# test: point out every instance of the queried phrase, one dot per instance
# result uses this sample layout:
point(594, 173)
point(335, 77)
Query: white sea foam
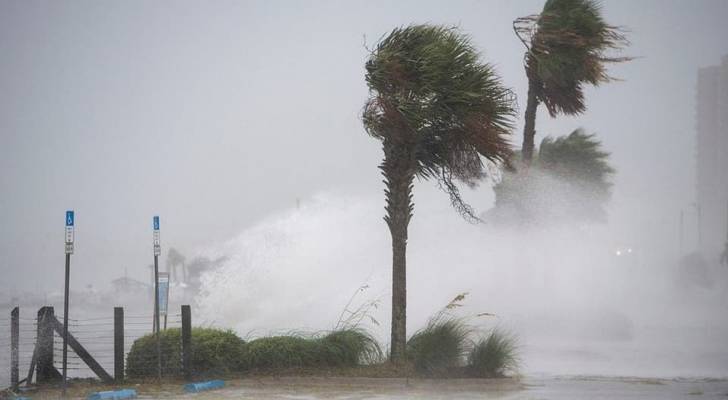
point(578, 307)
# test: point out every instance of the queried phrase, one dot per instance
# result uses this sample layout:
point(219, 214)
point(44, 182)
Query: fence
point(16, 330)
point(97, 347)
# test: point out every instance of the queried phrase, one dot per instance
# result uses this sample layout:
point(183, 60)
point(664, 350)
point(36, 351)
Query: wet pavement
point(346, 388)
point(565, 388)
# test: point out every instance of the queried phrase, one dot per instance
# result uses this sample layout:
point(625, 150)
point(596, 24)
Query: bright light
point(629, 250)
point(619, 252)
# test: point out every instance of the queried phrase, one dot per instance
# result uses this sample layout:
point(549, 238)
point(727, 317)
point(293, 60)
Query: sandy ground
point(314, 388)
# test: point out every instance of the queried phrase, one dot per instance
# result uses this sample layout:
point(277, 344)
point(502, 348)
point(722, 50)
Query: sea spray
point(578, 306)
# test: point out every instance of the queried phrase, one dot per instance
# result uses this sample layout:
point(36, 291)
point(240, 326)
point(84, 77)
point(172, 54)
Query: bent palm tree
point(438, 112)
point(566, 49)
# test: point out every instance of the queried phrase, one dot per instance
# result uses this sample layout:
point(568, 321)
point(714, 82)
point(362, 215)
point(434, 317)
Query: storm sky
point(216, 114)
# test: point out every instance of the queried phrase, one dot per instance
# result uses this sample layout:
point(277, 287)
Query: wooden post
point(14, 347)
point(187, 342)
point(119, 344)
point(45, 371)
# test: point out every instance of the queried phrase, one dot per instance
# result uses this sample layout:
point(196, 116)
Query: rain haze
point(240, 125)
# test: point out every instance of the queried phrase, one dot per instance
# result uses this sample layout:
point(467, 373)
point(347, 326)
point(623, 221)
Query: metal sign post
point(70, 224)
point(157, 252)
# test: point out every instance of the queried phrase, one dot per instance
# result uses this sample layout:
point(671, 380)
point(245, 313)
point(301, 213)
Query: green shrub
point(280, 352)
point(142, 358)
point(342, 348)
point(493, 356)
point(439, 347)
point(214, 351)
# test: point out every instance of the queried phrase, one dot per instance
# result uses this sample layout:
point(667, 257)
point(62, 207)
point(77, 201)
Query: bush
point(142, 358)
point(214, 351)
point(493, 356)
point(439, 347)
point(342, 348)
point(281, 352)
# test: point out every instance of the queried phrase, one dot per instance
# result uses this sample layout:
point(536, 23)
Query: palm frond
point(568, 46)
point(431, 94)
point(578, 156)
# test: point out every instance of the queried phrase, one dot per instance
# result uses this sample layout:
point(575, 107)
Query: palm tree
point(440, 114)
point(574, 169)
point(175, 258)
point(577, 157)
point(566, 49)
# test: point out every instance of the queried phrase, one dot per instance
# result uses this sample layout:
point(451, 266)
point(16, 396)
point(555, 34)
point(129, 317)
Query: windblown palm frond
point(577, 156)
point(570, 179)
point(567, 48)
point(437, 105)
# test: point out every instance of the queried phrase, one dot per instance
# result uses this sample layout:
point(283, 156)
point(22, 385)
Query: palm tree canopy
point(430, 91)
point(578, 156)
point(174, 257)
point(567, 48)
point(569, 179)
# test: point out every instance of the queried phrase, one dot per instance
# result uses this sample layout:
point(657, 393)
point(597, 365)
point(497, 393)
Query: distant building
point(712, 156)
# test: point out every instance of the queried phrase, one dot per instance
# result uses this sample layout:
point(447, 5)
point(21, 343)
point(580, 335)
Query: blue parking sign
point(69, 218)
point(156, 222)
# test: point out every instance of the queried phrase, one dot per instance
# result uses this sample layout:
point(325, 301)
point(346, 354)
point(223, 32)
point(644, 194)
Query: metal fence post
point(14, 347)
point(187, 342)
point(119, 344)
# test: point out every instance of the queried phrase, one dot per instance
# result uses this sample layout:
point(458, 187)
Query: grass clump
point(440, 347)
point(352, 347)
point(214, 351)
point(341, 348)
point(493, 356)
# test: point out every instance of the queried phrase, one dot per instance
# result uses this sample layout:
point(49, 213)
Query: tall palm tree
point(566, 49)
point(440, 114)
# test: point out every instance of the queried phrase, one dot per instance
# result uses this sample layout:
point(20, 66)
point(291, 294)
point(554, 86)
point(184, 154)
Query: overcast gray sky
point(215, 114)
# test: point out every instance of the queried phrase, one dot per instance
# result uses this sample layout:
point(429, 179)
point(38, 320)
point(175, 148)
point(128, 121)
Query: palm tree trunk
point(398, 171)
point(529, 128)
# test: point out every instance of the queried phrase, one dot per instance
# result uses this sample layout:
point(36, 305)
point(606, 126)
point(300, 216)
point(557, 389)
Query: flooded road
point(348, 388)
point(567, 388)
